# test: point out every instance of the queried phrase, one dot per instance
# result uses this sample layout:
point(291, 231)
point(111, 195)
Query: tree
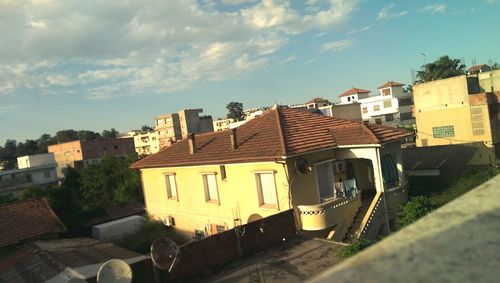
point(110, 134)
point(8, 155)
point(147, 128)
point(110, 182)
point(85, 135)
point(65, 136)
point(29, 147)
point(495, 66)
point(444, 67)
point(235, 111)
point(43, 142)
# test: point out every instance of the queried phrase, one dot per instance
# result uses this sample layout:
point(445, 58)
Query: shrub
point(140, 240)
point(354, 248)
point(416, 208)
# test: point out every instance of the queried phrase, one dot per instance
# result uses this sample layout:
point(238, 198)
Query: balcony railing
point(331, 211)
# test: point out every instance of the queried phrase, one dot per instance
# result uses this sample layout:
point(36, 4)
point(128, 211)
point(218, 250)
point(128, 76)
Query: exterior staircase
point(358, 219)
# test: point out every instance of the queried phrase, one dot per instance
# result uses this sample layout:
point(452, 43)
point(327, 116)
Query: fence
point(216, 251)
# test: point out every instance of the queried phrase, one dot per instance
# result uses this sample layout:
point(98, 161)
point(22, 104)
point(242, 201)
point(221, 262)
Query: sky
point(100, 64)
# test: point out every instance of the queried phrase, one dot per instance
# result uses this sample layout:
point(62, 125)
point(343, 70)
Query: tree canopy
point(444, 67)
point(235, 111)
point(147, 128)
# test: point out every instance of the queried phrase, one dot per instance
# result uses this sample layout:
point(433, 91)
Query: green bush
point(140, 240)
point(416, 208)
point(354, 248)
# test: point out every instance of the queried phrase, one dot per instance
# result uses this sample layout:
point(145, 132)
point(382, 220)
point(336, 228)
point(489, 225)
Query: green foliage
point(110, 134)
point(495, 66)
point(147, 128)
point(109, 182)
point(235, 111)
point(354, 248)
point(444, 67)
point(7, 198)
point(140, 241)
point(416, 208)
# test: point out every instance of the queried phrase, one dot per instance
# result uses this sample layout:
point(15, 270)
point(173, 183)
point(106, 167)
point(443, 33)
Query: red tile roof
point(277, 133)
point(27, 219)
point(390, 84)
point(354, 91)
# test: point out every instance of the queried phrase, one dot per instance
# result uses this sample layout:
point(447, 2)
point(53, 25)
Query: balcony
point(331, 211)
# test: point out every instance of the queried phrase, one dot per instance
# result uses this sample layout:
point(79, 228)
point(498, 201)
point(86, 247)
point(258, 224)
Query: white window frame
point(260, 195)
point(171, 194)
point(206, 187)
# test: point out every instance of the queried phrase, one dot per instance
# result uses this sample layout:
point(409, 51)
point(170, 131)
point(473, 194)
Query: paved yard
point(296, 261)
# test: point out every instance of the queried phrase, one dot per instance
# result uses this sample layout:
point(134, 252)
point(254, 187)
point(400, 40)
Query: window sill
point(213, 202)
point(269, 206)
point(176, 199)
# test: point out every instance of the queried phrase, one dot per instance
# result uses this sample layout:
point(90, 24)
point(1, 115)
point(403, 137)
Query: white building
point(146, 143)
point(392, 106)
point(222, 124)
point(37, 169)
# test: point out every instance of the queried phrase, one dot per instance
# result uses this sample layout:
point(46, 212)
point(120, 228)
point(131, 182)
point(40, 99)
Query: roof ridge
point(280, 130)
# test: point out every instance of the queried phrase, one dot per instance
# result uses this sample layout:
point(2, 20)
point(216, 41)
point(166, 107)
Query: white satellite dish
point(114, 270)
point(165, 253)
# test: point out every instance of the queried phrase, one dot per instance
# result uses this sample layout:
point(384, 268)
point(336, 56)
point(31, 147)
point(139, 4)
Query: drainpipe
point(383, 190)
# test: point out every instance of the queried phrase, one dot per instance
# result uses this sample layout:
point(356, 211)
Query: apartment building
point(222, 124)
point(456, 110)
point(146, 143)
point(176, 126)
point(392, 106)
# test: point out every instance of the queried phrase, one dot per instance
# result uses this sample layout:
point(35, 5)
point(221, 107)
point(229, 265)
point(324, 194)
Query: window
point(364, 110)
point(378, 121)
point(348, 98)
point(388, 104)
point(389, 117)
point(376, 108)
point(171, 186)
point(266, 189)
point(406, 116)
point(386, 91)
point(46, 174)
point(389, 170)
point(477, 120)
point(325, 180)
point(443, 131)
point(210, 186)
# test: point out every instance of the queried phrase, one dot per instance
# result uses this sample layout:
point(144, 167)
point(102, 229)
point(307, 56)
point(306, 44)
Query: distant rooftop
point(354, 90)
point(390, 84)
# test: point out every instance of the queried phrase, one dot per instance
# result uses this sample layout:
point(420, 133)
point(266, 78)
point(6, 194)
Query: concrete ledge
point(459, 242)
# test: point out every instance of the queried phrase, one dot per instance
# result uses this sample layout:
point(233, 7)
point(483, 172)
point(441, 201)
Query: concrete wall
point(489, 81)
point(347, 111)
point(238, 196)
point(67, 153)
point(109, 147)
point(35, 160)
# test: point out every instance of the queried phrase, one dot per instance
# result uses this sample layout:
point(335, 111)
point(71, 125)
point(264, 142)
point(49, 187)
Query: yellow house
point(324, 168)
point(453, 111)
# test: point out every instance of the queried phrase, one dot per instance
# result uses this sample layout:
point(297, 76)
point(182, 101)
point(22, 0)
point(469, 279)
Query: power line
point(431, 135)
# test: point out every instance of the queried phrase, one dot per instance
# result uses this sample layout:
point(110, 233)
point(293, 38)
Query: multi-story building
point(455, 110)
point(146, 143)
point(392, 106)
point(175, 126)
point(78, 153)
point(222, 124)
point(37, 169)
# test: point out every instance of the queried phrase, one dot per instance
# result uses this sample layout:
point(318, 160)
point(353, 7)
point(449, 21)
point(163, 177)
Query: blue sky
point(68, 64)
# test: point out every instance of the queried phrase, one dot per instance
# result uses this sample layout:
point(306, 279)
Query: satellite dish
point(114, 270)
point(302, 166)
point(165, 253)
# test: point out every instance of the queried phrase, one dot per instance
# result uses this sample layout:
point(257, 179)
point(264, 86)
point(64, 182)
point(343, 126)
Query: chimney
point(234, 139)
point(192, 143)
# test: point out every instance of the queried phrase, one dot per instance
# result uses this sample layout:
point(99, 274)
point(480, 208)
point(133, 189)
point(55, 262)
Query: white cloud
point(365, 28)
point(435, 8)
point(337, 46)
point(7, 108)
point(288, 59)
point(386, 14)
point(105, 49)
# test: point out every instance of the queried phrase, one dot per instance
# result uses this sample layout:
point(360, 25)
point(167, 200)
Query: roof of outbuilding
point(477, 68)
point(277, 133)
point(27, 219)
point(439, 156)
point(390, 84)
point(354, 90)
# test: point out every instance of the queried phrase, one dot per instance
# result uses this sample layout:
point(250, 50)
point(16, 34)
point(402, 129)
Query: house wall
point(447, 103)
point(67, 153)
point(14, 181)
point(110, 147)
point(347, 111)
point(35, 160)
point(238, 196)
point(489, 81)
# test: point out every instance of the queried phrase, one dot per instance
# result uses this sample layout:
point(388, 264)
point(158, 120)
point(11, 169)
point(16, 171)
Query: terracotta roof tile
point(26, 219)
point(354, 90)
point(390, 84)
point(277, 133)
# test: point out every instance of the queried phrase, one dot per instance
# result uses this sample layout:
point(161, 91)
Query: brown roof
point(354, 90)
point(277, 133)
point(27, 219)
point(476, 68)
point(316, 100)
point(390, 84)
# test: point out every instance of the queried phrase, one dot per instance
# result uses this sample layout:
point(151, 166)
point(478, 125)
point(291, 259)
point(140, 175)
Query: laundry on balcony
point(346, 189)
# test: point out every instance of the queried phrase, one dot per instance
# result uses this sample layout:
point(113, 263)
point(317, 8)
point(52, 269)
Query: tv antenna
point(165, 253)
point(114, 271)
